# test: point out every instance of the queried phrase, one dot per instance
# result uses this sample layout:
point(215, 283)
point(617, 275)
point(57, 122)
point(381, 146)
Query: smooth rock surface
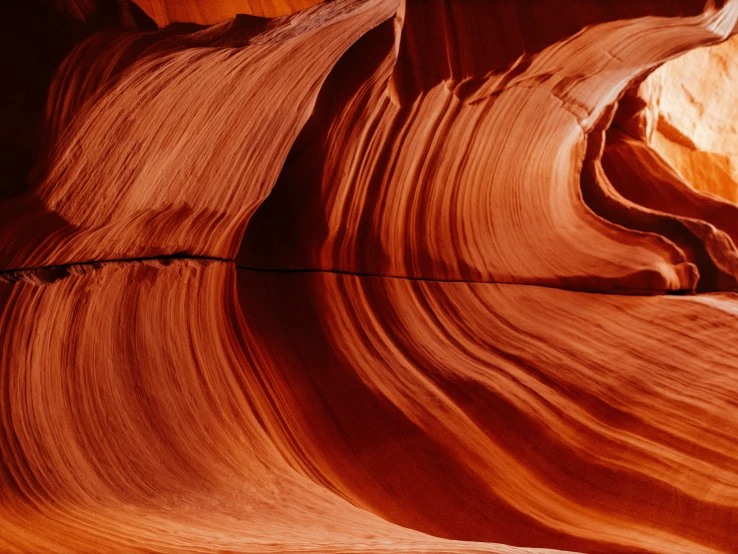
point(370, 276)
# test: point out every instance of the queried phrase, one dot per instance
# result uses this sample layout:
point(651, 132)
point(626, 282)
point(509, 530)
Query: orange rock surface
point(369, 276)
point(208, 12)
point(691, 117)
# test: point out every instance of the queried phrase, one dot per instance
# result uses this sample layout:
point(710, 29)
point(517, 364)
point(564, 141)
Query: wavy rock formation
point(376, 276)
point(445, 180)
point(145, 429)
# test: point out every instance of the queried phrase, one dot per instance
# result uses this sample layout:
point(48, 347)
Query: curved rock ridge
point(449, 183)
point(432, 405)
point(499, 413)
point(144, 126)
point(114, 440)
point(377, 276)
point(643, 177)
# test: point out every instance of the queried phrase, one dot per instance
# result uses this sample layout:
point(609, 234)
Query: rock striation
point(371, 276)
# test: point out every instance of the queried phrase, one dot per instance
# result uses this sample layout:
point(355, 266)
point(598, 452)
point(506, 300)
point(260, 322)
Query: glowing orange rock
point(691, 105)
point(384, 358)
point(207, 12)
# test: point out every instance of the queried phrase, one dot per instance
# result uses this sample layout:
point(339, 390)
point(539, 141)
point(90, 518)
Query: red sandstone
point(370, 276)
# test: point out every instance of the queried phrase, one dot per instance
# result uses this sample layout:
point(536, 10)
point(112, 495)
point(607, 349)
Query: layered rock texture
point(369, 276)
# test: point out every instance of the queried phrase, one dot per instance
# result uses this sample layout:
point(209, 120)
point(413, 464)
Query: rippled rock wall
point(369, 276)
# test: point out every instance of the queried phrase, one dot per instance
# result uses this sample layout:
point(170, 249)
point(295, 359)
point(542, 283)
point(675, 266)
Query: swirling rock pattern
point(373, 276)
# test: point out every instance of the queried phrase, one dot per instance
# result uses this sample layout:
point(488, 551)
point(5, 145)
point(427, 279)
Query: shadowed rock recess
point(369, 276)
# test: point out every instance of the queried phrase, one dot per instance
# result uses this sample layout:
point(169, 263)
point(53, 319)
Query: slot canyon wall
point(369, 276)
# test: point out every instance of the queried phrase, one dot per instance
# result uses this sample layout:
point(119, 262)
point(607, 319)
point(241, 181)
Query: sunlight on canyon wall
point(693, 104)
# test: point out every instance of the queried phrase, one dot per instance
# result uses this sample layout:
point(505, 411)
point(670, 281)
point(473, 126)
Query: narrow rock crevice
point(627, 292)
point(49, 274)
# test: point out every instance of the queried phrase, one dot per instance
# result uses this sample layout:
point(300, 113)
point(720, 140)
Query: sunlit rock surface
point(693, 104)
point(208, 12)
point(369, 276)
